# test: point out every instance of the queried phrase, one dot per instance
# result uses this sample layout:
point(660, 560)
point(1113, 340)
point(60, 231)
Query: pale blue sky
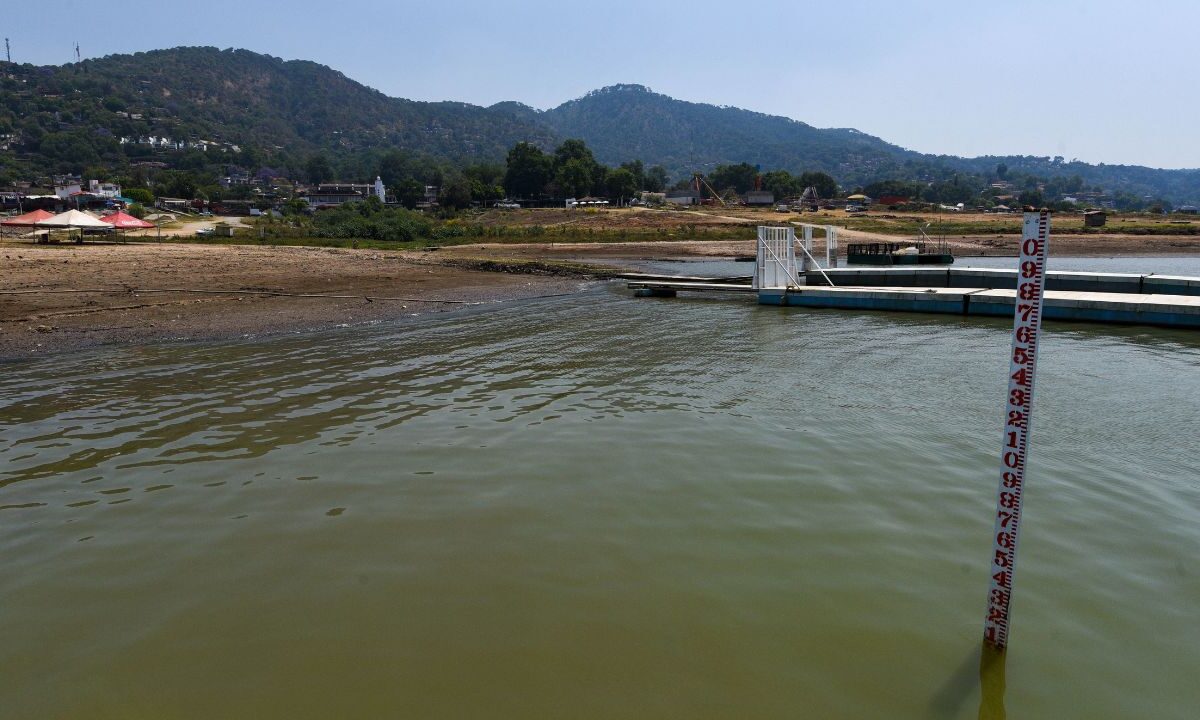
point(1102, 81)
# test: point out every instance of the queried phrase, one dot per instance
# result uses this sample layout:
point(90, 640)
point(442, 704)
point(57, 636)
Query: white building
point(108, 190)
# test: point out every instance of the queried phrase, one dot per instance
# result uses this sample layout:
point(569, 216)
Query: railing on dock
point(775, 258)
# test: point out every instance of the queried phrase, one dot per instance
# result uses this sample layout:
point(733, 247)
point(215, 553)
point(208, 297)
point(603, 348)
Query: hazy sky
point(1102, 81)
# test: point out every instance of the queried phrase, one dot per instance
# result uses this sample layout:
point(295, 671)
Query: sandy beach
point(43, 310)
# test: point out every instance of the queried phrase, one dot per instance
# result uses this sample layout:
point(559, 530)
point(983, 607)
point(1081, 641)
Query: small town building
point(331, 198)
point(1094, 218)
point(760, 198)
point(683, 197)
point(103, 189)
point(327, 195)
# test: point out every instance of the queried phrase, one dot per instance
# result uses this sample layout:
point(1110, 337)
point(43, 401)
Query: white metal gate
point(775, 260)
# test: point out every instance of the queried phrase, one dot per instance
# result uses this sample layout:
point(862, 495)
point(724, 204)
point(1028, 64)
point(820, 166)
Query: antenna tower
point(7, 50)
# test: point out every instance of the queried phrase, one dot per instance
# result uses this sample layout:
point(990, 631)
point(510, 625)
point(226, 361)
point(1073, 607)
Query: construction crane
point(810, 196)
point(698, 179)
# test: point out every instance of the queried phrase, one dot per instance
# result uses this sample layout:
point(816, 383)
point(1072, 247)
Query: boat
point(899, 253)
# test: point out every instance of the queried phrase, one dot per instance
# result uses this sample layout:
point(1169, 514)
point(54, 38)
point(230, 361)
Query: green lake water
point(597, 507)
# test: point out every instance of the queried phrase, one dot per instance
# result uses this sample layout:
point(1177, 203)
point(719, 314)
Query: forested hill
point(255, 110)
point(625, 121)
point(630, 121)
point(77, 113)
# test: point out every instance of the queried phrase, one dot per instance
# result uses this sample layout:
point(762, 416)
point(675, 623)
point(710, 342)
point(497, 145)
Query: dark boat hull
point(901, 259)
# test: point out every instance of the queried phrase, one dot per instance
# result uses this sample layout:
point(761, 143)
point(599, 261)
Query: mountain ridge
point(101, 111)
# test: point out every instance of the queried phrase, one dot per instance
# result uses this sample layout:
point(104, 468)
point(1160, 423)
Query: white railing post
point(775, 258)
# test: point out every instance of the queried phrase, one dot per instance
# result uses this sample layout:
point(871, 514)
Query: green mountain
point(630, 121)
point(77, 114)
point(196, 107)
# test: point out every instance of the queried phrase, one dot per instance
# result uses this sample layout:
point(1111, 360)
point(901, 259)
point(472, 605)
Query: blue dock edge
point(1120, 308)
point(998, 278)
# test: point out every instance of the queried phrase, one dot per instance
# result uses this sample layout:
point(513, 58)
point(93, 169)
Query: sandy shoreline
point(54, 318)
point(43, 312)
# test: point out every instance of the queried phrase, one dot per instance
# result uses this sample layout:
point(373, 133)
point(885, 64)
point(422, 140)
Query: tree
point(175, 184)
point(455, 193)
point(409, 192)
point(898, 188)
point(141, 196)
point(573, 149)
point(528, 170)
point(1002, 171)
point(639, 172)
point(575, 177)
point(1031, 197)
point(295, 206)
point(826, 186)
point(318, 169)
point(576, 152)
point(656, 179)
point(621, 183)
point(782, 183)
point(393, 168)
point(740, 177)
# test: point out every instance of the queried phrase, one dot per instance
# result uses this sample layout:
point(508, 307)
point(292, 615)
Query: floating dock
point(784, 277)
point(999, 279)
point(1182, 311)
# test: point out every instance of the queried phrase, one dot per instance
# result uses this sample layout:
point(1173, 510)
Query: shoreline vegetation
point(282, 275)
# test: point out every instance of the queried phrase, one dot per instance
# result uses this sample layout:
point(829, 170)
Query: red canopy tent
point(125, 221)
point(29, 219)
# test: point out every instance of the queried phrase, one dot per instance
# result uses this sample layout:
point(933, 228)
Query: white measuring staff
point(1018, 412)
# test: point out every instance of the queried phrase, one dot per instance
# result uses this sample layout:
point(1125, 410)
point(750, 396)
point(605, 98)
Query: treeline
point(572, 171)
point(744, 177)
point(1015, 188)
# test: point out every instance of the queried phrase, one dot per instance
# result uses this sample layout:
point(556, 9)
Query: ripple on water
point(757, 507)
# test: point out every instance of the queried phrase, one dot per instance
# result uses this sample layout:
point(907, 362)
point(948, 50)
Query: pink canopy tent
point(29, 219)
point(125, 221)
